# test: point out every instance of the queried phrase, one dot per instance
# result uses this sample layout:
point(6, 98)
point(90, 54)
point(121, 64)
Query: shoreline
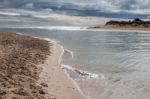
point(68, 76)
point(119, 29)
point(45, 78)
point(70, 89)
point(71, 80)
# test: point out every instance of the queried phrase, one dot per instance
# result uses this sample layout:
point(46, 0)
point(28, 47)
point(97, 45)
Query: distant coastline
point(134, 25)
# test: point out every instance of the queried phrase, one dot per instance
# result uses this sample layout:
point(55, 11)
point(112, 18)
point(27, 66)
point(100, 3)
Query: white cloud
point(9, 13)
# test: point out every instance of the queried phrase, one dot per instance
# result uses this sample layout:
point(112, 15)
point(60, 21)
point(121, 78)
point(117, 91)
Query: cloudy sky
point(113, 5)
point(108, 5)
point(104, 8)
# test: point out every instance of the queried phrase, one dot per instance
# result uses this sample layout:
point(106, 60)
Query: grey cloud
point(102, 5)
point(111, 5)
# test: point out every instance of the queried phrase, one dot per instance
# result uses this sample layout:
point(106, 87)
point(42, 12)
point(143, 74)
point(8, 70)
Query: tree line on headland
point(134, 23)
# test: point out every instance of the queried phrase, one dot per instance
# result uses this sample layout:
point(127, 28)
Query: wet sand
point(30, 69)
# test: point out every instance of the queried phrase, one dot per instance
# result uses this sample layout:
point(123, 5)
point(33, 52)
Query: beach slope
point(29, 69)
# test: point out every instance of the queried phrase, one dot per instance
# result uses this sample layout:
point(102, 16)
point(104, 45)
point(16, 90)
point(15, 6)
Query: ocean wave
point(80, 72)
point(61, 28)
point(69, 28)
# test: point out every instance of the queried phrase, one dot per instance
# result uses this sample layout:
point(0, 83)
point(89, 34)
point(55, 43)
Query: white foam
point(67, 67)
point(72, 28)
point(47, 39)
point(20, 33)
point(68, 28)
point(71, 68)
point(70, 52)
point(91, 75)
point(80, 72)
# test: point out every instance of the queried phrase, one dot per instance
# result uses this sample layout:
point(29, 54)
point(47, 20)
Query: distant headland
point(137, 25)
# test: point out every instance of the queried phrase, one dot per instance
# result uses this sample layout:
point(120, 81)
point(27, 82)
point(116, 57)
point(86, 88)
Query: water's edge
point(59, 62)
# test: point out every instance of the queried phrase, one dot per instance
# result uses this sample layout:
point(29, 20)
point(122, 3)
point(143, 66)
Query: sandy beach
point(123, 29)
point(120, 30)
point(30, 69)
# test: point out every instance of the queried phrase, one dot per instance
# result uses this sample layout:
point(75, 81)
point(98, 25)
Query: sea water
point(105, 64)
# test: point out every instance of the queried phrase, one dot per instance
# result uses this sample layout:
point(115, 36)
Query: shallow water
point(119, 62)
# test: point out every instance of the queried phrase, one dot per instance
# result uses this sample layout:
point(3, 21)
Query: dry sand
point(30, 69)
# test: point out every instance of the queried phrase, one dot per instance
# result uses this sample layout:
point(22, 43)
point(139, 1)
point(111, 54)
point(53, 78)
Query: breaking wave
point(71, 28)
point(68, 28)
